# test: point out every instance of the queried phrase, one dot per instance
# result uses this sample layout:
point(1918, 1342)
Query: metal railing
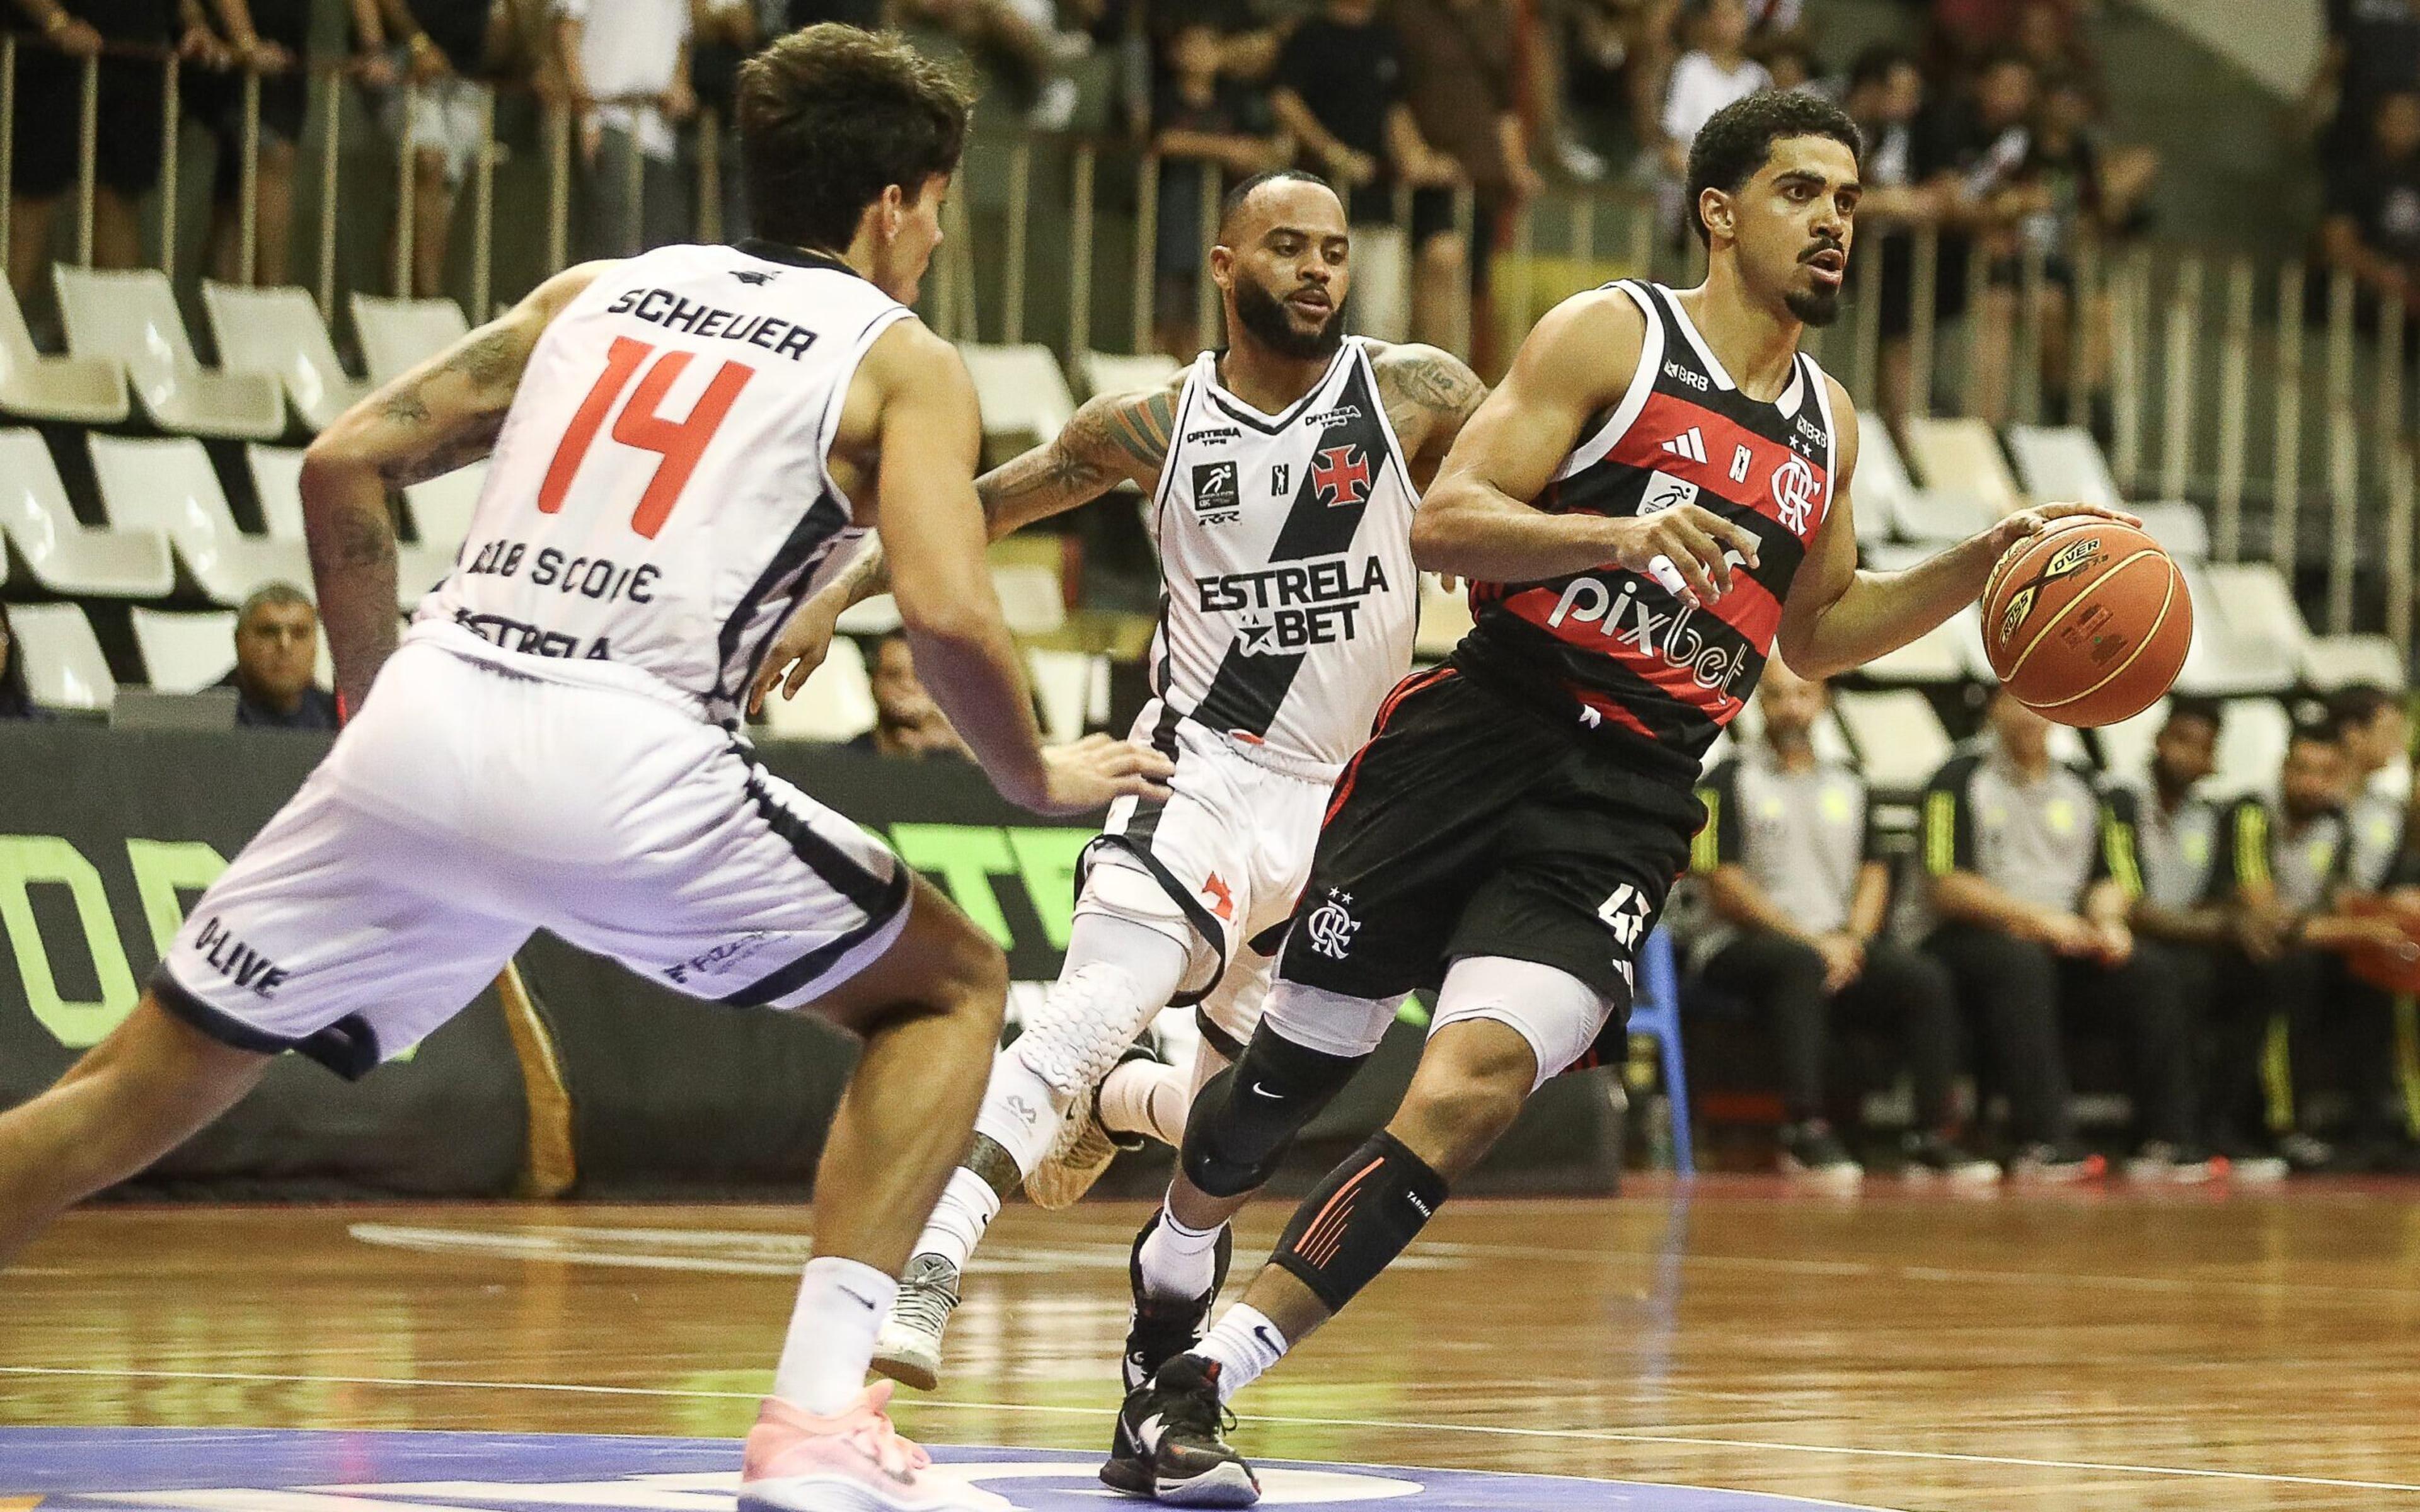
point(2295, 435)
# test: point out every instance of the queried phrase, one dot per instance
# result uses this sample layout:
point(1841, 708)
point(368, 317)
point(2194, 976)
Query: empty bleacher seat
point(131, 316)
point(2064, 462)
point(2181, 529)
point(441, 507)
point(168, 486)
point(276, 480)
point(1445, 617)
point(1024, 396)
point(836, 703)
point(1941, 655)
point(184, 653)
point(2126, 745)
point(1898, 738)
point(2248, 634)
point(1963, 457)
point(878, 615)
point(1117, 373)
point(1073, 689)
point(278, 331)
point(87, 391)
point(64, 555)
point(2331, 661)
point(1030, 597)
point(400, 334)
point(2250, 744)
point(64, 667)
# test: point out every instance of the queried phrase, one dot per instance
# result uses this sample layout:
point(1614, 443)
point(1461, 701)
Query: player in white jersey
point(1284, 473)
point(684, 445)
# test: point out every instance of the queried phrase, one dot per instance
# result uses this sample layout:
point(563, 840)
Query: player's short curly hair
point(829, 117)
point(1731, 146)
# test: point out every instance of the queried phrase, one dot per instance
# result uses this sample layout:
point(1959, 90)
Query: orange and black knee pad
point(1367, 1212)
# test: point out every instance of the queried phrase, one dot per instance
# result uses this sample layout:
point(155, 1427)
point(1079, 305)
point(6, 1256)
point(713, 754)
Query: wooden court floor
point(2221, 1352)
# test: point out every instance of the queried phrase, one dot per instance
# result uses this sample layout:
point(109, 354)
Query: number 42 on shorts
point(1625, 914)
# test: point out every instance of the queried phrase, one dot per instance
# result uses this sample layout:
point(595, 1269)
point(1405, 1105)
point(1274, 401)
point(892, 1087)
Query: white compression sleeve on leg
point(840, 1306)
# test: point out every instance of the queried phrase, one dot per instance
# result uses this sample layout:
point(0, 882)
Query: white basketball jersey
point(659, 502)
point(1285, 541)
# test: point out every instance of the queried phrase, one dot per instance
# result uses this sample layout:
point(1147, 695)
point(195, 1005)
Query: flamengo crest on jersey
point(1285, 541)
point(658, 500)
point(1617, 650)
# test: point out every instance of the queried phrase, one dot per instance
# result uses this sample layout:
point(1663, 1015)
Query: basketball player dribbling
point(685, 446)
point(1282, 473)
point(1657, 497)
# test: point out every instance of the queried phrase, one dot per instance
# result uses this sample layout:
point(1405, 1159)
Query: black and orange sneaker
point(1170, 1443)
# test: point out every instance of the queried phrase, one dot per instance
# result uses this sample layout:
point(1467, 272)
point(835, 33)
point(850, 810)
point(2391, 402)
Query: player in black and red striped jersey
point(1656, 498)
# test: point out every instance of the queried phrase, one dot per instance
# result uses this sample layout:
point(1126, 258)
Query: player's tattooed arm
point(444, 413)
point(1113, 439)
point(1428, 394)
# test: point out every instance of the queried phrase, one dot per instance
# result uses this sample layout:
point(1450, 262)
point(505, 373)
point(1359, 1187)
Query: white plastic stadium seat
point(878, 615)
point(277, 479)
point(2181, 529)
point(2248, 634)
point(2331, 661)
point(1444, 617)
point(64, 667)
point(1939, 655)
point(131, 316)
point(400, 334)
point(2064, 462)
point(1030, 596)
point(2251, 745)
point(1963, 457)
point(87, 391)
point(1896, 735)
point(1024, 396)
point(2126, 745)
point(184, 653)
point(1117, 373)
point(168, 486)
point(836, 703)
point(1073, 688)
point(65, 555)
point(278, 331)
point(441, 507)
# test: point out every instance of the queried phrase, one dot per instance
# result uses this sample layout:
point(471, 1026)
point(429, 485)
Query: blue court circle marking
point(209, 1470)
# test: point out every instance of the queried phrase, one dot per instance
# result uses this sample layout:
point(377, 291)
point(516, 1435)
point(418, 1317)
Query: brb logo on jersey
point(1341, 475)
point(1218, 496)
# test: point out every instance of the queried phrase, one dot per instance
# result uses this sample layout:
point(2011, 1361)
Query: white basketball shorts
point(1228, 848)
point(471, 804)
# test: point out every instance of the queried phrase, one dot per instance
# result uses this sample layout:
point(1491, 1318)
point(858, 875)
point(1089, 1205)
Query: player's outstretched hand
point(1686, 548)
point(798, 650)
point(1088, 773)
point(2031, 522)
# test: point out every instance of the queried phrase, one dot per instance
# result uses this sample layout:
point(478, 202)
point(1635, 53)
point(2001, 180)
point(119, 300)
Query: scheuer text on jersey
point(664, 308)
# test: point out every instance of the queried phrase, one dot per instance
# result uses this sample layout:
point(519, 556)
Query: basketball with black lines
point(2087, 622)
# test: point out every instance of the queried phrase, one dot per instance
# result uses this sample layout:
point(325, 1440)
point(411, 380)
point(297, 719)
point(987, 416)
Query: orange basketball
point(2087, 622)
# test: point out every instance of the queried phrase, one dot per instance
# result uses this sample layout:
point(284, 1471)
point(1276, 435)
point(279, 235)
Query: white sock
point(1245, 1343)
point(967, 1208)
point(1143, 1097)
point(1178, 1262)
point(840, 1306)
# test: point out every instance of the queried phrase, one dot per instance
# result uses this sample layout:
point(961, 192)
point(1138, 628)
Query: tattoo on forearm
point(1103, 445)
point(496, 358)
point(443, 457)
point(1427, 394)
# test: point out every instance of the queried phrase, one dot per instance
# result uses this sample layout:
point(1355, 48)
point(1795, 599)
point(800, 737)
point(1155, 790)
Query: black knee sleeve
point(1367, 1211)
point(1247, 1115)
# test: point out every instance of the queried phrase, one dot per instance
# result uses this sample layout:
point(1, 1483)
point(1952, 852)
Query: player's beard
point(1263, 315)
point(1817, 305)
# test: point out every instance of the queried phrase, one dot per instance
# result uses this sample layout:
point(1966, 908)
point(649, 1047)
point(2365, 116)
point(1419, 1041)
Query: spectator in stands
point(1459, 74)
point(1975, 153)
point(1885, 97)
point(907, 722)
point(722, 35)
point(16, 697)
point(1340, 93)
point(2377, 734)
point(50, 105)
point(2373, 51)
point(447, 43)
point(1714, 72)
point(2032, 881)
point(2291, 861)
point(270, 38)
point(1788, 856)
point(276, 645)
point(1792, 66)
point(1202, 123)
point(2371, 230)
point(628, 77)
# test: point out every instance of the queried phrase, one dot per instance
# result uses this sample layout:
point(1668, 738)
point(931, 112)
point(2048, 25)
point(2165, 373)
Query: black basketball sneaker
point(1159, 1331)
point(1170, 1443)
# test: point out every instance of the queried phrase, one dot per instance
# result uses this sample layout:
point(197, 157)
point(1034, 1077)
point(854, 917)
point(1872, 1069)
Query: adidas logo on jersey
point(1689, 444)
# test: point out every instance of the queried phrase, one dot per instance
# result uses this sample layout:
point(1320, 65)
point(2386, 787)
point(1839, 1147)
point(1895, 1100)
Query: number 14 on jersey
point(641, 425)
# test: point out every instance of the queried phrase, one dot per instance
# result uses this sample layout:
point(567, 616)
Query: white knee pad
point(1557, 1013)
point(1119, 973)
point(1329, 1023)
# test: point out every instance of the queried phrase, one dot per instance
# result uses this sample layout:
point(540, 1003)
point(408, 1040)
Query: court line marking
point(1490, 1431)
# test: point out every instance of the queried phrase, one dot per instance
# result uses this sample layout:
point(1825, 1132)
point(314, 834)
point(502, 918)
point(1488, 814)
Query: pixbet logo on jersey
point(1286, 609)
point(1589, 601)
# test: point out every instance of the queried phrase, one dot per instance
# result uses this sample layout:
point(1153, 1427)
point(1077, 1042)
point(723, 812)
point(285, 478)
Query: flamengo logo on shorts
point(1331, 926)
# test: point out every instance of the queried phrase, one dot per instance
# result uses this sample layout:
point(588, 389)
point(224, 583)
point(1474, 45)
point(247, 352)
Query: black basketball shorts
point(1473, 826)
